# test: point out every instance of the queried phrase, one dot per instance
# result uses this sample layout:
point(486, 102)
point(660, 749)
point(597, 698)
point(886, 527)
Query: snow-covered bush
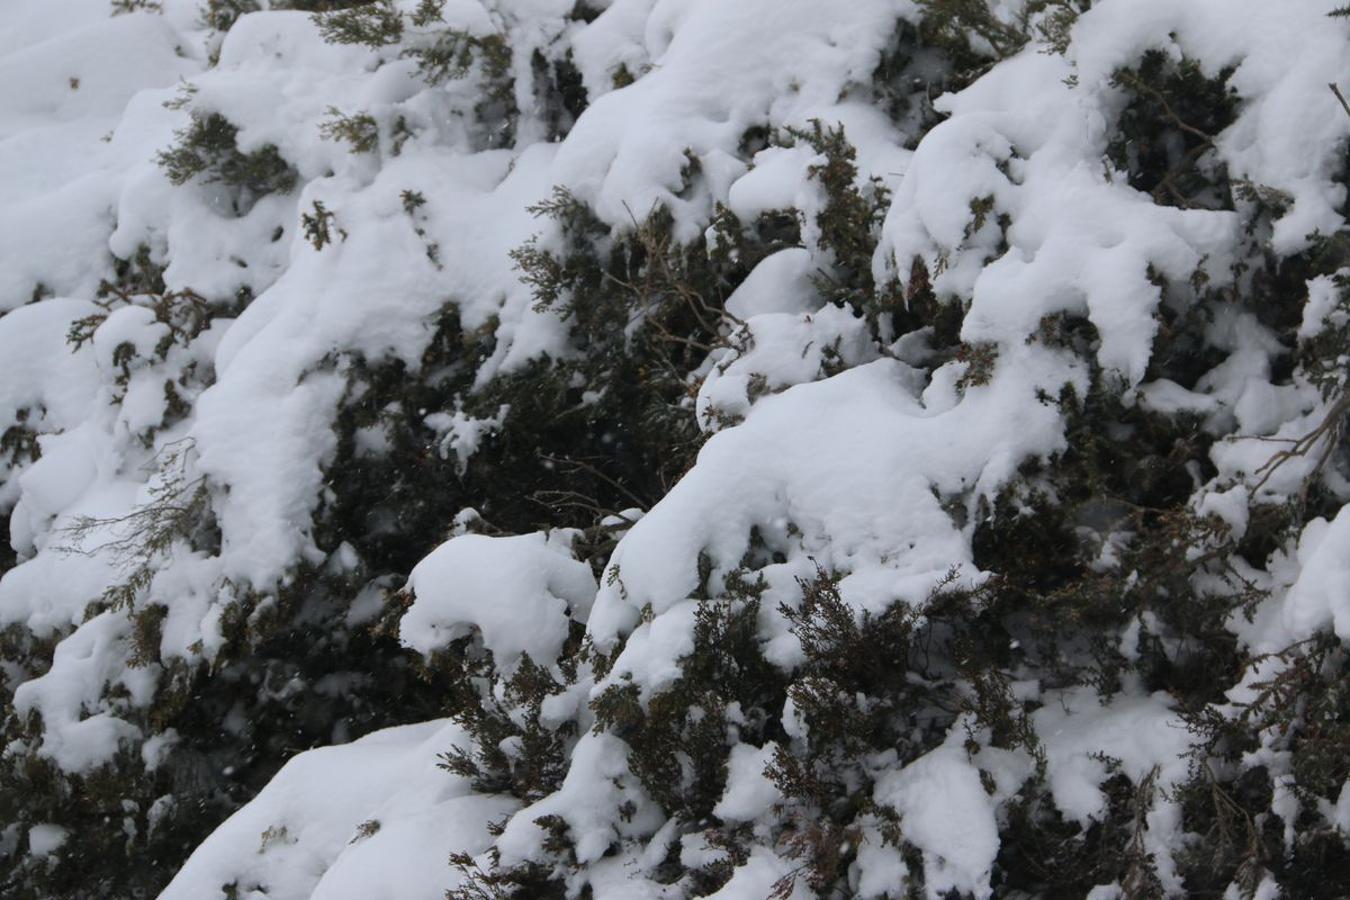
point(674, 448)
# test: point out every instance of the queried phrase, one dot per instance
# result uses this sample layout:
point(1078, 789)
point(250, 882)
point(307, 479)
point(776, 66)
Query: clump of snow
point(518, 592)
point(63, 179)
point(857, 464)
point(376, 818)
point(946, 813)
point(774, 351)
point(600, 800)
point(789, 64)
point(1322, 307)
point(45, 839)
point(1321, 595)
point(43, 386)
point(781, 283)
point(80, 730)
point(1077, 728)
point(1284, 57)
point(749, 794)
point(463, 433)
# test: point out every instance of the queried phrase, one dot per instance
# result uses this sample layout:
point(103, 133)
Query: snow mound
point(387, 832)
point(519, 593)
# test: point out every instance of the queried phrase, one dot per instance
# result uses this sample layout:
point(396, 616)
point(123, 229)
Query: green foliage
point(318, 226)
point(536, 761)
point(851, 218)
point(18, 443)
point(360, 131)
point(220, 15)
point(560, 92)
point(277, 667)
point(413, 202)
point(1301, 709)
point(1163, 137)
point(973, 35)
point(1042, 854)
point(184, 313)
point(869, 680)
point(137, 274)
point(645, 311)
point(452, 54)
point(122, 7)
point(147, 632)
point(980, 360)
point(375, 24)
point(178, 511)
point(442, 53)
point(955, 21)
point(621, 77)
point(93, 860)
point(679, 738)
point(528, 880)
point(847, 656)
point(1054, 20)
point(207, 149)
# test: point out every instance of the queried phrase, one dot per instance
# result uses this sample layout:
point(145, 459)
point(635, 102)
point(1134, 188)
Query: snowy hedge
point(674, 448)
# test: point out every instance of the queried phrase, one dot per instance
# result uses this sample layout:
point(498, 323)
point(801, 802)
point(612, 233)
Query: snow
point(947, 814)
point(773, 359)
point(464, 433)
point(45, 839)
point(1079, 241)
point(1285, 56)
point(831, 444)
point(625, 154)
point(58, 200)
point(375, 819)
point(1321, 595)
point(865, 435)
point(883, 872)
point(517, 592)
point(37, 372)
point(597, 785)
point(1141, 732)
point(749, 795)
point(79, 736)
point(781, 283)
point(1321, 310)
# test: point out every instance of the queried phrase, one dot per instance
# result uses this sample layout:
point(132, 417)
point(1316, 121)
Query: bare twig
point(1341, 97)
point(583, 466)
point(1140, 85)
point(1331, 428)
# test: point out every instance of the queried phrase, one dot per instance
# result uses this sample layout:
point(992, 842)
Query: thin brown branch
point(1331, 428)
point(583, 466)
point(1138, 84)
